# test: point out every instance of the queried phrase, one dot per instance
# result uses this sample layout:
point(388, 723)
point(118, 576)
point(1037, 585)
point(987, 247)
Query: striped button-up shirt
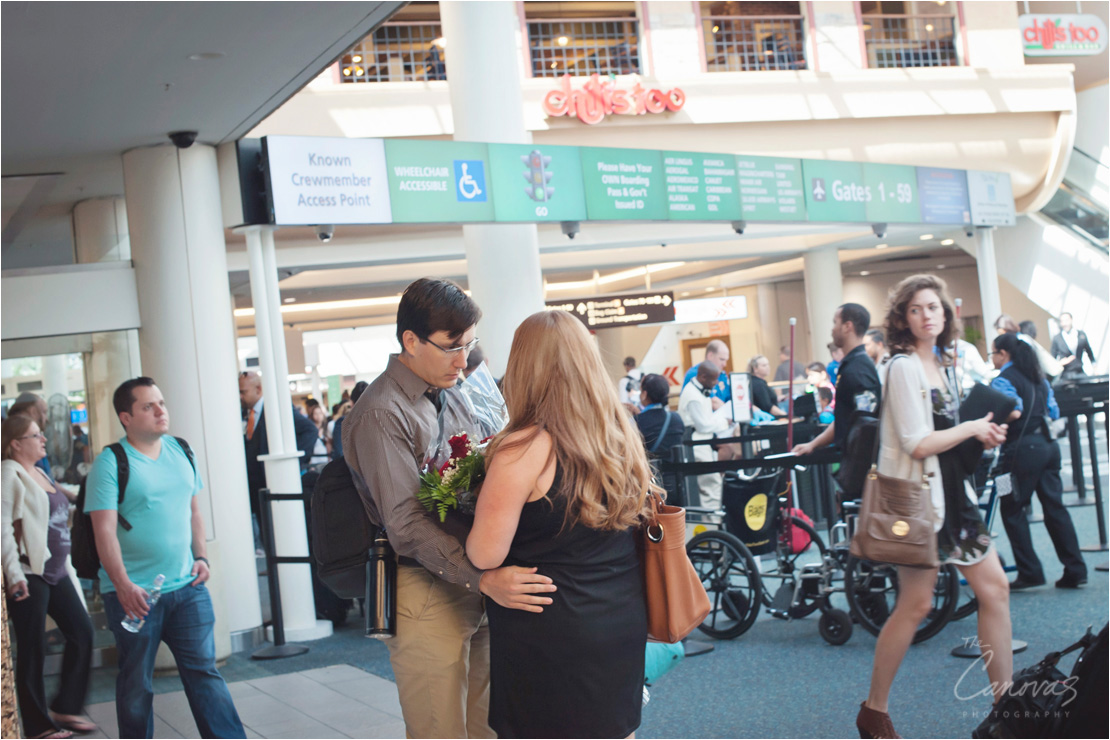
point(387, 438)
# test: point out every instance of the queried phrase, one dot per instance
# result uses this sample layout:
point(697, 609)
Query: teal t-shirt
point(158, 504)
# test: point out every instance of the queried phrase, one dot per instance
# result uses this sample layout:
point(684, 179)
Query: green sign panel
point(624, 184)
point(893, 192)
point(835, 191)
point(771, 189)
point(438, 181)
point(700, 186)
point(537, 183)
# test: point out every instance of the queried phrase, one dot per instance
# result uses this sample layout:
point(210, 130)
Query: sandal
point(79, 725)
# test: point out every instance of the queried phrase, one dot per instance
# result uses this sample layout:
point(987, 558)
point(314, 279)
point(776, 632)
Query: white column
point(989, 296)
point(824, 294)
point(54, 376)
point(186, 344)
point(503, 260)
point(283, 470)
point(100, 235)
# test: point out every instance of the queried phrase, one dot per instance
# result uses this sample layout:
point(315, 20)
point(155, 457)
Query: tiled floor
point(334, 702)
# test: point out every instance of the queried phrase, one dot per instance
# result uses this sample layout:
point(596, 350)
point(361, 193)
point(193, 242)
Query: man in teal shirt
point(165, 537)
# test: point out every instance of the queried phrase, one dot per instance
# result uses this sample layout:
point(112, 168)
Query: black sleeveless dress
point(577, 669)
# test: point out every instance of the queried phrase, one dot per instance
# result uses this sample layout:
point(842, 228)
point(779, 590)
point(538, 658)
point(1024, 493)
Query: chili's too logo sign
point(601, 97)
point(1062, 35)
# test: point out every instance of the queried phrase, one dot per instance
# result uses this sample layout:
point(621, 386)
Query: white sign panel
point(741, 397)
point(317, 180)
point(992, 198)
point(1061, 34)
point(710, 309)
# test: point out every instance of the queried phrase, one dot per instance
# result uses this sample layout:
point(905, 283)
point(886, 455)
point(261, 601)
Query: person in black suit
point(1070, 345)
point(654, 390)
point(254, 436)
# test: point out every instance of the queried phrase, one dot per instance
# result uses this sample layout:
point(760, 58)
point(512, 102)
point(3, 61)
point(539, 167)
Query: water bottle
point(381, 589)
point(134, 625)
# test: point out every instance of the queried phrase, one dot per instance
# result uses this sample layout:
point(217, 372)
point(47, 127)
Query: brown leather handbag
point(676, 600)
point(895, 520)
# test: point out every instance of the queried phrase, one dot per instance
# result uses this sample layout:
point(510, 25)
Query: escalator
point(1081, 203)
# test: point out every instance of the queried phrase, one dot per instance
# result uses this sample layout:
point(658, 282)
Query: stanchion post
point(790, 392)
point(280, 649)
point(1096, 483)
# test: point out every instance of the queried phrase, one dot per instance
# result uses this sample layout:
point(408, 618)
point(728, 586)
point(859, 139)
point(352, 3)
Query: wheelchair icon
point(470, 181)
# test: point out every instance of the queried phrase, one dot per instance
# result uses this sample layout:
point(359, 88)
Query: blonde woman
point(565, 491)
point(919, 432)
point(40, 580)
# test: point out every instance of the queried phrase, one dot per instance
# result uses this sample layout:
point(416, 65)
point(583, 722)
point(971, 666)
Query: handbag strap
point(1027, 416)
point(879, 431)
point(663, 431)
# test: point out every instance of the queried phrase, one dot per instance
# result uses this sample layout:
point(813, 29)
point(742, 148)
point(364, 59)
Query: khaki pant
point(440, 657)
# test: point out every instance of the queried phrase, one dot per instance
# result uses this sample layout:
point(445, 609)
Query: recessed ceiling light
point(685, 293)
point(290, 300)
point(941, 267)
point(948, 242)
point(205, 56)
point(709, 290)
point(926, 237)
point(882, 246)
point(864, 273)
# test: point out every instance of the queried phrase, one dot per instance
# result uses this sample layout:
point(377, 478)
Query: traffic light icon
point(537, 175)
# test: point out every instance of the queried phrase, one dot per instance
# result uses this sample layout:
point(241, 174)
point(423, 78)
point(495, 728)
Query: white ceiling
point(83, 82)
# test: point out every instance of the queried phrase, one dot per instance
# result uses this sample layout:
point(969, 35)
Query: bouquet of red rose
point(454, 465)
point(455, 483)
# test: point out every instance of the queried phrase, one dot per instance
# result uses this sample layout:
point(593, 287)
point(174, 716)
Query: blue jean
point(184, 620)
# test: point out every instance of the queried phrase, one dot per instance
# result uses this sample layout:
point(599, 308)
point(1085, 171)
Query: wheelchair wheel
point(728, 572)
point(835, 626)
point(872, 589)
point(789, 569)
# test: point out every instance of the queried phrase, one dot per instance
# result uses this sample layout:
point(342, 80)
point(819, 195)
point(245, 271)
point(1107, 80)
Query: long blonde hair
point(555, 382)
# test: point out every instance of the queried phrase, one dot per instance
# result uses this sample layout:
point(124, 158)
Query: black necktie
point(434, 396)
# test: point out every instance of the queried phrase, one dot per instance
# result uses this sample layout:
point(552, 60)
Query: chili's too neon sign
point(600, 97)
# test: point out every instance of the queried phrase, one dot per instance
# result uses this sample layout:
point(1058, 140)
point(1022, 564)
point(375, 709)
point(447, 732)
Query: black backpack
point(86, 560)
point(342, 534)
point(1044, 703)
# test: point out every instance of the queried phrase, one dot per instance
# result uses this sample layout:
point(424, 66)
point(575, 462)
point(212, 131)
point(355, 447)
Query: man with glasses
point(440, 654)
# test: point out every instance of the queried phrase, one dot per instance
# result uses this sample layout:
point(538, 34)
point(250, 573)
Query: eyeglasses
point(452, 351)
point(39, 435)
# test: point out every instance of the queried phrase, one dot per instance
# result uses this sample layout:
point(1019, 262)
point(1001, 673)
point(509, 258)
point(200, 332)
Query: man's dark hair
point(877, 336)
point(1028, 328)
point(124, 397)
point(23, 408)
point(630, 362)
point(656, 387)
point(430, 305)
point(707, 374)
point(357, 391)
point(859, 317)
point(816, 366)
point(825, 393)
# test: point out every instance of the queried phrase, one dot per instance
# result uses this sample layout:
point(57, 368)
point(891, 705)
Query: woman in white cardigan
point(919, 432)
point(40, 580)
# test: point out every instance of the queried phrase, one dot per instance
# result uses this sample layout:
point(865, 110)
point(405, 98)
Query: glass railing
point(749, 43)
point(910, 41)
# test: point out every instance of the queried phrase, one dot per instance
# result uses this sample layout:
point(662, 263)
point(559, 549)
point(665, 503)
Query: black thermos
point(381, 589)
